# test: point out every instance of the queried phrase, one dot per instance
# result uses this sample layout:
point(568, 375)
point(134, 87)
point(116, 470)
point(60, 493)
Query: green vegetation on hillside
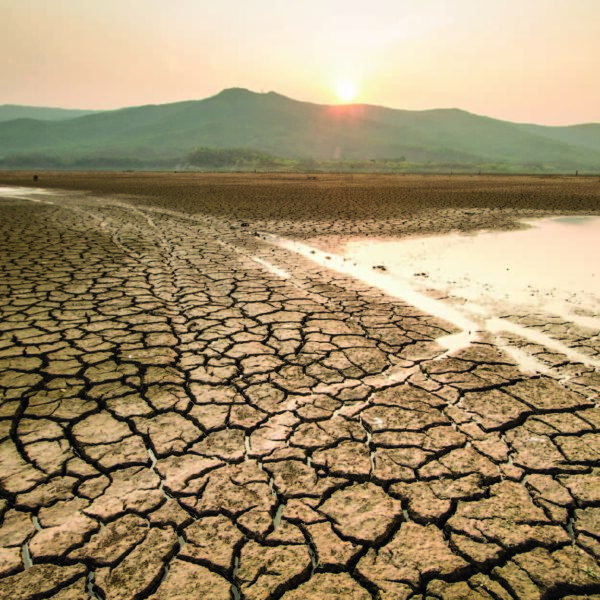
point(10, 112)
point(241, 130)
point(232, 158)
point(236, 159)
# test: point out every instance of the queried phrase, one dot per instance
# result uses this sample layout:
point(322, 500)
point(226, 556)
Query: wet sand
point(187, 407)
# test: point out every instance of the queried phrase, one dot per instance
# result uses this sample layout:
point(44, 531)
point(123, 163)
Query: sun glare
point(346, 91)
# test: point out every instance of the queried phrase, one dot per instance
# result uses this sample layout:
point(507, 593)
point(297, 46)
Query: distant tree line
point(248, 159)
point(42, 161)
point(235, 158)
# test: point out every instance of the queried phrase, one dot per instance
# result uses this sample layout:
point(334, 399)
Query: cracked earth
point(187, 410)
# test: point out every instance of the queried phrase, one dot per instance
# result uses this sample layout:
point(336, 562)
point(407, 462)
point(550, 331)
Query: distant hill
point(585, 136)
point(276, 126)
point(9, 112)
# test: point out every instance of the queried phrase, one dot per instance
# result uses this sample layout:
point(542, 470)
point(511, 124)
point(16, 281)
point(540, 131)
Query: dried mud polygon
point(189, 410)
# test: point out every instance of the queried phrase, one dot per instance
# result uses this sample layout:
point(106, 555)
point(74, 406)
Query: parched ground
point(187, 411)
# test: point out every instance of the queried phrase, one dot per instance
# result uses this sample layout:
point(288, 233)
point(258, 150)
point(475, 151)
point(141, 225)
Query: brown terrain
point(179, 421)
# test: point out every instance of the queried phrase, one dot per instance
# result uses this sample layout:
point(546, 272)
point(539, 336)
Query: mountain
point(587, 135)
point(281, 127)
point(9, 112)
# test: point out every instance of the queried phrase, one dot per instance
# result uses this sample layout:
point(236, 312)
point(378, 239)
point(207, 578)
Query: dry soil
point(189, 411)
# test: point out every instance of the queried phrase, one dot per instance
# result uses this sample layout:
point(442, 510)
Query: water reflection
point(26, 193)
point(488, 283)
point(552, 265)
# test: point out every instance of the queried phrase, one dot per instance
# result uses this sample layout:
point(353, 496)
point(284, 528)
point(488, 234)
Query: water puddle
point(26, 556)
point(487, 282)
point(552, 264)
point(26, 193)
point(385, 280)
point(278, 515)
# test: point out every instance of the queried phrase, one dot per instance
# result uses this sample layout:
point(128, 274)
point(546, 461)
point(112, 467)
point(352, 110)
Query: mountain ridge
point(294, 130)
point(10, 112)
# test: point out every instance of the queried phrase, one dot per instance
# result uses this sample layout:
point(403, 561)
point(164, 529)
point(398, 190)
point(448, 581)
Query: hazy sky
point(522, 60)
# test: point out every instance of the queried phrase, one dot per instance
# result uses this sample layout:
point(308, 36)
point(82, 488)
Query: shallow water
point(394, 285)
point(552, 265)
point(481, 282)
point(26, 193)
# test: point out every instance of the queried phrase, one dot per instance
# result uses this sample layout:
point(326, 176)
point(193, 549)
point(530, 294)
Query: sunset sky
point(520, 60)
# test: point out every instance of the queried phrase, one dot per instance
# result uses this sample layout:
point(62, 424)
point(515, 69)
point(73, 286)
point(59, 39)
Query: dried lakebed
point(188, 409)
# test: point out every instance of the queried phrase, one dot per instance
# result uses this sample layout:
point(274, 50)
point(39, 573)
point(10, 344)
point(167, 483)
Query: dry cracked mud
point(189, 411)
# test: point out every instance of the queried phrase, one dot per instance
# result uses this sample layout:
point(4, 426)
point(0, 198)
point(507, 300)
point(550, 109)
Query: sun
point(346, 91)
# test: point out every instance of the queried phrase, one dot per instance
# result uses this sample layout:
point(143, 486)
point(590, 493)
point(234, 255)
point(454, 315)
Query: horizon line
point(273, 92)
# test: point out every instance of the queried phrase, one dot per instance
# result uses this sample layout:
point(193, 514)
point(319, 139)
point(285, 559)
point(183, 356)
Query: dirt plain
point(178, 420)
